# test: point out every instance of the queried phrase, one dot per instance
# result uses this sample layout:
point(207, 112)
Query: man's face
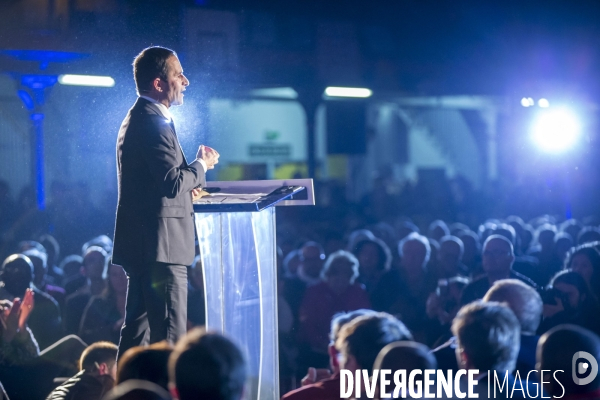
point(175, 84)
point(413, 256)
point(449, 257)
point(497, 257)
point(312, 261)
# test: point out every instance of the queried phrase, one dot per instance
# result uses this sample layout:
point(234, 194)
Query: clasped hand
point(209, 155)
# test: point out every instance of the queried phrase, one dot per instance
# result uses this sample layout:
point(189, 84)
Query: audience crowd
point(360, 287)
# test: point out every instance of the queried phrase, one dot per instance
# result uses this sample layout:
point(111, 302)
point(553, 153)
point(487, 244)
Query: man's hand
point(209, 155)
point(196, 194)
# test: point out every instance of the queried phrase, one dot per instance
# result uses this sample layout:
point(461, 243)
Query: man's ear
point(173, 391)
point(157, 85)
point(103, 369)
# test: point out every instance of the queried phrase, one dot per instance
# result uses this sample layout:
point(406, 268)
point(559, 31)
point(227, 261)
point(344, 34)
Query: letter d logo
point(583, 367)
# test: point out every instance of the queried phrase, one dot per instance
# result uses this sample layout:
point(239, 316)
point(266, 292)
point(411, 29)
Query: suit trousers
point(156, 307)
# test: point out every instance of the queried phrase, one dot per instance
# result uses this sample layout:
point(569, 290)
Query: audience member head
point(340, 271)
point(373, 257)
point(358, 236)
point(360, 341)
point(135, 389)
point(588, 234)
point(102, 241)
point(471, 246)
point(562, 244)
point(17, 274)
point(312, 258)
point(572, 227)
point(40, 266)
point(507, 231)
point(574, 290)
point(438, 229)
point(52, 248)
point(488, 337)
point(556, 350)
point(206, 365)
point(291, 263)
point(457, 228)
point(405, 228)
point(146, 363)
point(337, 323)
point(414, 252)
point(99, 359)
point(116, 281)
point(524, 301)
point(585, 260)
point(195, 274)
point(450, 255)
point(407, 355)
point(30, 244)
point(95, 262)
point(71, 265)
point(544, 236)
point(497, 257)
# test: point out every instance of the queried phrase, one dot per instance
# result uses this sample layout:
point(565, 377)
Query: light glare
point(86, 80)
point(543, 103)
point(334, 91)
point(556, 131)
point(525, 102)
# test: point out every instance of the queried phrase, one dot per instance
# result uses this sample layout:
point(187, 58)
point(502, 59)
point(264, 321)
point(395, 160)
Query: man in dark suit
point(154, 232)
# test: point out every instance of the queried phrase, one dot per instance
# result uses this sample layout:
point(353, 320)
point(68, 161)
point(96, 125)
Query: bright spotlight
point(86, 80)
point(333, 91)
point(556, 131)
point(525, 102)
point(543, 103)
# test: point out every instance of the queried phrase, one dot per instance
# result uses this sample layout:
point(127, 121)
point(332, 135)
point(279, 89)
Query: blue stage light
point(556, 130)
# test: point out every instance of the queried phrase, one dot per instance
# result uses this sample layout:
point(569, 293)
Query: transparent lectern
point(235, 223)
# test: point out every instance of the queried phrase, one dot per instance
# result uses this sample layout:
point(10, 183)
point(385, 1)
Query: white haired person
point(337, 292)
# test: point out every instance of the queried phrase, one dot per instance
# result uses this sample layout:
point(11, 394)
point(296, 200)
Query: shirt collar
point(161, 107)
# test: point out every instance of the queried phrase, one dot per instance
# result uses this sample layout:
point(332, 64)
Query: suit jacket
point(155, 217)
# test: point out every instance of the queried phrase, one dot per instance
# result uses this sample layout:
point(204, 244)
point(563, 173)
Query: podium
point(236, 238)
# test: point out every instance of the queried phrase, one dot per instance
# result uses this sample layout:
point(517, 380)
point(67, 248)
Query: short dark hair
point(489, 334)
point(365, 336)
point(206, 365)
point(98, 353)
point(146, 363)
point(150, 64)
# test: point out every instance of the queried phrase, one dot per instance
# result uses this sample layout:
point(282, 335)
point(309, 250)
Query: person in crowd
point(98, 371)
point(206, 366)
point(291, 263)
point(488, 337)
point(472, 253)
point(404, 228)
point(556, 350)
point(196, 310)
point(442, 306)
point(146, 363)
point(53, 252)
point(406, 356)
point(104, 314)
point(337, 292)
point(312, 259)
point(585, 260)
point(92, 283)
point(320, 383)
point(102, 241)
point(403, 291)
point(571, 227)
point(71, 270)
point(437, 230)
point(526, 303)
point(16, 276)
point(570, 301)
point(135, 389)
point(449, 258)
point(374, 258)
point(498, 257)
point(40, 269)
point(360, 341)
